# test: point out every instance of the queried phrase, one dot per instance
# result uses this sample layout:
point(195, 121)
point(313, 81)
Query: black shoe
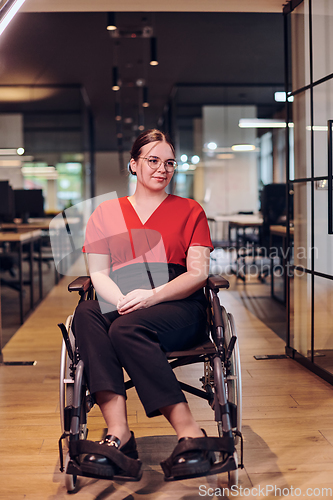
point(187, 461)
point(129, 449)
point(192, 463)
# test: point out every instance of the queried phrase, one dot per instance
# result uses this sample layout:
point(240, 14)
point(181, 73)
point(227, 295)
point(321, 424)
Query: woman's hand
point(134, 300)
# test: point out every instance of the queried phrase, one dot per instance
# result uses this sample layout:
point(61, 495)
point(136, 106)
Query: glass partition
point(322, 35)
point(323, 307)
point(310, 297)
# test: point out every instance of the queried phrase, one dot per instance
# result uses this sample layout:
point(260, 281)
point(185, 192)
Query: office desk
point(219, 227)
point(42, 224)
point(280, 232)
point(242, 222)
point(239, 222)
point(17, 240)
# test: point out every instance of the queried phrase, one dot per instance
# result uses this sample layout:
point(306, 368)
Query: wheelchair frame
point(221, 386)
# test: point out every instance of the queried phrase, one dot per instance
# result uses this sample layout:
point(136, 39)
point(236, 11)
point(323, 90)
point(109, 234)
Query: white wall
point(11, 130)
point(11, 137)
point(230, 182)
point(108, 177)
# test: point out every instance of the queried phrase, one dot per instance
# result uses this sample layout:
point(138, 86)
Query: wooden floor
point(287, 420)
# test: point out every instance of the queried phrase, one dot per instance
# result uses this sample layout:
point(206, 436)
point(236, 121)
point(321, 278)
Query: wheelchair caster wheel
point(233, 474)
point(70, 480)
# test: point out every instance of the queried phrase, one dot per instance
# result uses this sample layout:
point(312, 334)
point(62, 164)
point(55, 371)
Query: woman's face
point(152, 179)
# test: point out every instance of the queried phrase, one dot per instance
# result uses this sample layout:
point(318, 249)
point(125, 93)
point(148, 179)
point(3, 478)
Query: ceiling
point(48, 56)
point(153, 6)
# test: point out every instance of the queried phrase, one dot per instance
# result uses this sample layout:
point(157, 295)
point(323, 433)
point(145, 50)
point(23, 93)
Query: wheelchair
point(221, 388)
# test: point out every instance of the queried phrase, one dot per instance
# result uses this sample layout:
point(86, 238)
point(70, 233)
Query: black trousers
point(137, 341)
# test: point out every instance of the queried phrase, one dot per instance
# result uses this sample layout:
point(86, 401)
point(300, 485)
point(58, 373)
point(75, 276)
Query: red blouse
point(177, 223)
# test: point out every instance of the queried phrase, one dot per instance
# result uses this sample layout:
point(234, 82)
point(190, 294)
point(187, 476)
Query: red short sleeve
point(200, 233)
point(106, 222)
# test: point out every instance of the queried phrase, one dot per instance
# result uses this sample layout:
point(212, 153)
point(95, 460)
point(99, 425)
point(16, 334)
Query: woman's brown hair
point(146, 137)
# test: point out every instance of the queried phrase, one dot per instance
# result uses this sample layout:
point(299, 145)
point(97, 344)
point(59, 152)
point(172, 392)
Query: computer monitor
point(7, 209)
point(28, 203)
point(273, 203)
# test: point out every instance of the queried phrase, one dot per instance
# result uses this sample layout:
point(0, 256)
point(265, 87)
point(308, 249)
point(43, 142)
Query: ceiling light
point(117, 112)
point(212, 146)
point(318, 128)
point(145, 100)
point(261, 123)
point(225, 156)
point(8, 151)
point(195, 159)
point(153, 52)
point(281, 97)
point(8, 11)
point(10, 163)
point(243, 147)
point(111, 24)
point(20, 151)
point(22, 93)
point(217, 150)
point(115, 80)
point(183, 158)
point(185, 166)
point(46, 172)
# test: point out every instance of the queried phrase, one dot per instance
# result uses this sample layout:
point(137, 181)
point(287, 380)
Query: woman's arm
point(193, 279)
point(99, 268)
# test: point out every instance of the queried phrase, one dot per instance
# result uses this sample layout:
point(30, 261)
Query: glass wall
point(309, 35)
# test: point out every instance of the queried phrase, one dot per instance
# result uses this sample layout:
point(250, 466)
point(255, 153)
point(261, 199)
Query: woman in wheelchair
point(148, 257)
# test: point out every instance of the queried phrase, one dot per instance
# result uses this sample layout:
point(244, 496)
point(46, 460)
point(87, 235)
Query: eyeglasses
point(154, 162)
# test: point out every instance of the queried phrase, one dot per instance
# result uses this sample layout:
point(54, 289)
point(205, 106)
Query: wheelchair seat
point(221, 388)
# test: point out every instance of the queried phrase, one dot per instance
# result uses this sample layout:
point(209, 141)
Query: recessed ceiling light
point(243, 147)
point(261, 123)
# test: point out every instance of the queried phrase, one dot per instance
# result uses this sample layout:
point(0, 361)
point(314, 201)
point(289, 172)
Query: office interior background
point(74, 96)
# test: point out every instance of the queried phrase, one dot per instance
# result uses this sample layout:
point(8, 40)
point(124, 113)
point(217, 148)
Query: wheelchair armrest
point(216, 282)
point(81, 284)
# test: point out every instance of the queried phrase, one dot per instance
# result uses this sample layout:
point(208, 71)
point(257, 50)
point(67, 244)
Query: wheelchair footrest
point(225, 445)
point(121, 466)
point(216, 468)
point(97, 472)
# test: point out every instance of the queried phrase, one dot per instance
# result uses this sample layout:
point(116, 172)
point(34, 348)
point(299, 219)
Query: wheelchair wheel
point(66, 383)
point(234, 376)
point(70, 481)
point(221, 388)
point(66, 389)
